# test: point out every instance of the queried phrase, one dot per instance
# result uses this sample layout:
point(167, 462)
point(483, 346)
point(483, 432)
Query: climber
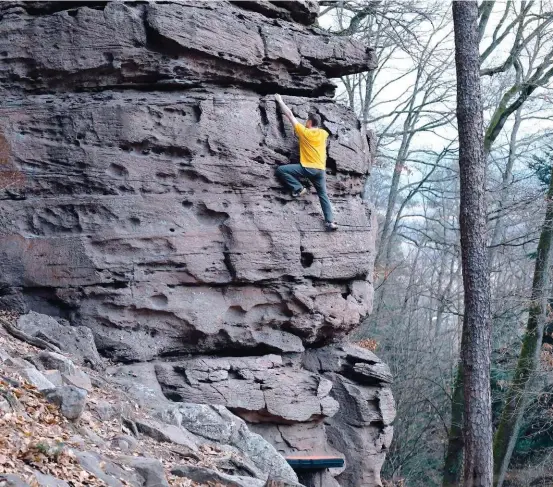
point(312, 164)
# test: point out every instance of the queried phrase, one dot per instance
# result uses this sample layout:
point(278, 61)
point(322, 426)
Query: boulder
point(108, 411)
point(56, 361)
point(167, 433)
point(54, 376)
point(70, 399)
point(107, 471)
point(204, 475)
point(35, 378)
point(140, 141)
point(150, 471)
point(78, 379)
point(75, 340)
point(18, 363)
point(149, 239)
point(69, 372)
point(91, 435)
point(217, 424)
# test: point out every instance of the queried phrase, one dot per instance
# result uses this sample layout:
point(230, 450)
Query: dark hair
point(314, 118)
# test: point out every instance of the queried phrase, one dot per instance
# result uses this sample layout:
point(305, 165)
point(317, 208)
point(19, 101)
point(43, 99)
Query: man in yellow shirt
point(312, 164)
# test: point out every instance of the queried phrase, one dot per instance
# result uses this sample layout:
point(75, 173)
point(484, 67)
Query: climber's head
point(313, 120)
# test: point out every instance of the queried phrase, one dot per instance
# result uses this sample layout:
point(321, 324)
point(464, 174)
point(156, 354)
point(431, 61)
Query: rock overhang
point(169, 45)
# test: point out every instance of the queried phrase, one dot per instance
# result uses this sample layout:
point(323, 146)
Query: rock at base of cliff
point(75, 340)
point(362, 428)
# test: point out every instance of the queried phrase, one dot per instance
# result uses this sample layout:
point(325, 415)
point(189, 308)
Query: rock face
point(258, 388)
point(361, 429)
point(138, 144)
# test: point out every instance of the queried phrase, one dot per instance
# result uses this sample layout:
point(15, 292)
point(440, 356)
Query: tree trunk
point(476, 346)
point(529, 358)
point(454, 455)
point(505, 183)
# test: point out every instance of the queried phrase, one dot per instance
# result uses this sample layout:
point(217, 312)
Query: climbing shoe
point(301, 192)
point(331, 226)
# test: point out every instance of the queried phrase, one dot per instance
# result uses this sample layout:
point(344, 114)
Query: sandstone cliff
point(137, 153)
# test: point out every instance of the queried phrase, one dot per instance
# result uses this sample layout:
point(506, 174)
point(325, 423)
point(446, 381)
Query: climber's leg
point(290, 174)
point(317, 177)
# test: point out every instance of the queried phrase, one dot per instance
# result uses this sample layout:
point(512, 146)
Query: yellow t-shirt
point(312, 146)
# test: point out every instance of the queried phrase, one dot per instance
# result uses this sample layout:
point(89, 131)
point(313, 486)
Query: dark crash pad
point(314, 462)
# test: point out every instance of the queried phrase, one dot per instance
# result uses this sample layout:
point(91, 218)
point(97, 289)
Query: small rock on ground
point(70, 399)
point(37, 379)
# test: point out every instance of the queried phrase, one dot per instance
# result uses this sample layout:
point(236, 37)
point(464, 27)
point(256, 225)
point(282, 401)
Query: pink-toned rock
point(168, 232)
point(259, 389)
point(138, 149)
point(362, 428)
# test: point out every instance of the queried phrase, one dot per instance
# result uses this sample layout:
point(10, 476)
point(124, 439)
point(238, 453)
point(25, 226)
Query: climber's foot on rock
point(331, 226)
point(301, 192)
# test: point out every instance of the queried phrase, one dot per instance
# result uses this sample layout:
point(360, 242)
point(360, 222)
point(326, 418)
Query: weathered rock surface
point(206, 475)
point(69, 373)
point(154, 218)
point(138, 144)
point(78, 341)
point(34, 377)
point(217, 424)
point(223, 269)
point(344, 405)
point(149, 469)
point(362, 428)
point(140, 383)
point(260, 389)
point(169, 45)
point(70, 399)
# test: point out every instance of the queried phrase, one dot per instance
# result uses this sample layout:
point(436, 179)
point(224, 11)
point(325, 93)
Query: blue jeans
point(289, 174)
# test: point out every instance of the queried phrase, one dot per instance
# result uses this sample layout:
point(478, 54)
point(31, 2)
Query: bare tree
point(476, 341)
point(529, 357)
point(530, 55)
point(529, 28)
point(418, 325)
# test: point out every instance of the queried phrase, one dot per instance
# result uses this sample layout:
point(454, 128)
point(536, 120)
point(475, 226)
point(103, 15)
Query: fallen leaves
point(35, 437)
point(368, 344)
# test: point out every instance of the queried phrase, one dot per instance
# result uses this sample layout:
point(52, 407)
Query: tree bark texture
point(529, 358)
point(476, 349)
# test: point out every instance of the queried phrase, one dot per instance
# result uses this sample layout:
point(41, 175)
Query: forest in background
point(409, 101)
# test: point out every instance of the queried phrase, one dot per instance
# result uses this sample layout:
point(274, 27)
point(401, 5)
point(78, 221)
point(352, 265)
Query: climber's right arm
point(286, 111)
